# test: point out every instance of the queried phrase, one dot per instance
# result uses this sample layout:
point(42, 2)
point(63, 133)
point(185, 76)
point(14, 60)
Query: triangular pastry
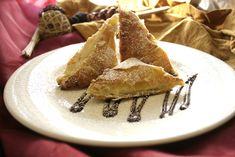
point(98, 53)
point(137, 42)
point(132, 78)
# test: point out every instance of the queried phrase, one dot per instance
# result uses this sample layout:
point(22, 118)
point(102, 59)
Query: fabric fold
point(211, 32)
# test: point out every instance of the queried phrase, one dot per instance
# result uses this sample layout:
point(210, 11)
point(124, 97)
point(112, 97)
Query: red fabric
point(18, 20)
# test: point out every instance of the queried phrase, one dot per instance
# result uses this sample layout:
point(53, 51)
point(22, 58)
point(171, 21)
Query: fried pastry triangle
point(132, 78)
point(98, 53)
point(137, 42)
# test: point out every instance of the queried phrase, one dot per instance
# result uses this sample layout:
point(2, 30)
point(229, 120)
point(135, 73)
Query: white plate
point(34, 99)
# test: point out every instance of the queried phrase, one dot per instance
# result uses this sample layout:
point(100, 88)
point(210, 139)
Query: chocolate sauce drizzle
point(79, 105)
point(164, 105)
point(175, 99)
point(135, 110)
point(187, 95)
point(111, 109)
point(186, 101)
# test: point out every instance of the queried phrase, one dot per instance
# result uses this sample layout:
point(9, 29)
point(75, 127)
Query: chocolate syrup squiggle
point(187, 95)
point(164, 105)
point(135, 110)
point(111, 109)
point(186, 100)
point(175, 99)
point(79, 105)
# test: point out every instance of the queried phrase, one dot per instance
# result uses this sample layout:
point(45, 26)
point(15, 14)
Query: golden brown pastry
point(132, 78)
point(98, 53)
point(137, 42)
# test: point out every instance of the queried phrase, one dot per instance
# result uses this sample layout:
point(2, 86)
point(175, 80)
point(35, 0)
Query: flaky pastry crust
point(98, 53)
point(132, 78)
point(136, 41)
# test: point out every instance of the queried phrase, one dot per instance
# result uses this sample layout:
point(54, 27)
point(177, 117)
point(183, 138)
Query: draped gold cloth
point(212, 32)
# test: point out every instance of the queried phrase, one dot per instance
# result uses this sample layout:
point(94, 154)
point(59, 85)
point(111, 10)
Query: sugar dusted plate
point(33, 98)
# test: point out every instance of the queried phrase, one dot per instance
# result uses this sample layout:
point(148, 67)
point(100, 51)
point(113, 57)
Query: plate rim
point(99, 143)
